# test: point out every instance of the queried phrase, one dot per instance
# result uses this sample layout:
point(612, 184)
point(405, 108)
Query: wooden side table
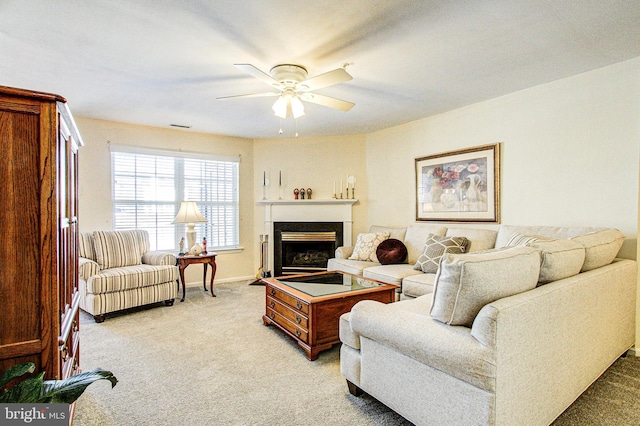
point(206, 259)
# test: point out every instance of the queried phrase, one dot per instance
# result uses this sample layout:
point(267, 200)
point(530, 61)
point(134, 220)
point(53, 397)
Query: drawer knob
point(273, 292)
point(298, 305)
point(298, 319)
point(271, 315)
point(298, 333)
point(272, 303)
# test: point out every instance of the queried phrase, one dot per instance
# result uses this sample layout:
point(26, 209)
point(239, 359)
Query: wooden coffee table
point(308, 307)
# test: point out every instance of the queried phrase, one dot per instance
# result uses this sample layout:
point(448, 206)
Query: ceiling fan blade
point(327, 101)
point(260, 75)
point(327, 79)
point(251, 95)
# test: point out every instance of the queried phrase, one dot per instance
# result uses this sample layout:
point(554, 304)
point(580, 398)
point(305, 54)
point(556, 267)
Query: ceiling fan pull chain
point(280, 131)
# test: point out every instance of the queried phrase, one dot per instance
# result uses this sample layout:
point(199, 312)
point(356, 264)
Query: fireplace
point(303, 247)
point(306, 216)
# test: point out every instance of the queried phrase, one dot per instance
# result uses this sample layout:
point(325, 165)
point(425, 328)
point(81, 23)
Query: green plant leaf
point(28, 390)
point(15, 372)
point(70, 389)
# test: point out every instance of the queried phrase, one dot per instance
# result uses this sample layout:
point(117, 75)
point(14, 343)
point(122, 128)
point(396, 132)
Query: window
point(149, 185)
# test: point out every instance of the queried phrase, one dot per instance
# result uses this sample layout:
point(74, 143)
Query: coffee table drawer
point(301, 334)
point(289, 300)
point(286, 311)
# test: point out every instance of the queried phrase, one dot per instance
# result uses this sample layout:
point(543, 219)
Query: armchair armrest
point(344, 252)
point(87, 268)
point(158, 258)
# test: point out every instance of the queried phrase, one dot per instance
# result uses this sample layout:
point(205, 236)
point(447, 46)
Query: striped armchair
point(117, 271)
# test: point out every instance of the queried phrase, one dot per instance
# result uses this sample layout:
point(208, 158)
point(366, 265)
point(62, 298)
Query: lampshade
point(189, 213)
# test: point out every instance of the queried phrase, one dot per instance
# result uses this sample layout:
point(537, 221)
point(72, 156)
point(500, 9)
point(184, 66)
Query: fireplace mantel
point(314, 210)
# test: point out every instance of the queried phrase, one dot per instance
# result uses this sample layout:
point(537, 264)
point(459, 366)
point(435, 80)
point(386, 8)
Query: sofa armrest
point(87, 268)
point(344, 252)
point(158, 258)
point(407, 327)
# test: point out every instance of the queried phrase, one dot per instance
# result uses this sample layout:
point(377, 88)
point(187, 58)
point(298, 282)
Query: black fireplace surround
point(304, 247)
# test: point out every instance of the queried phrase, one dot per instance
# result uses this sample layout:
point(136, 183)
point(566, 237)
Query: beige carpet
point(211, 361)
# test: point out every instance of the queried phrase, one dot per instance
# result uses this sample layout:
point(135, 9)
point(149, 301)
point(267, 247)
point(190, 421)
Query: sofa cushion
point(434, 248)
point(397, 233)
point(479, 239)
point(559, 259)
point(466, 282)
point(366, 245)
point(391, 251)
point(130, 277)
point(418, 285)
point(354, 267)
point(415, 238)
point(85, 246)
point(347, 335)
point(391, 274)
point(115, 249)
point(549, 232)
point(601, 247)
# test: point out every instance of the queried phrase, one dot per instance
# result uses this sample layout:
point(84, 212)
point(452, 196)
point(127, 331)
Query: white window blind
point(149, 185)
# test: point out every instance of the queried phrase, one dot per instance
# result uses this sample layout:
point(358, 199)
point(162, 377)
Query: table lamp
point(189, 214)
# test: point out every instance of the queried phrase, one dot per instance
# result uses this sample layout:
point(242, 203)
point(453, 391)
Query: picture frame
point(459, 186)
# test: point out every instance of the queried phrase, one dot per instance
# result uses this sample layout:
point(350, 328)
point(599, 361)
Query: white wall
point(570, 152)
point(95, 212)
point(310, 163)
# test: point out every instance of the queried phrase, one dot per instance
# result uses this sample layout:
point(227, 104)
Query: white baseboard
point(633, 352)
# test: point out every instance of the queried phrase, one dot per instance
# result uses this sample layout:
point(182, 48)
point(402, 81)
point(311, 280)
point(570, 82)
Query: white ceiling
point(158, 62)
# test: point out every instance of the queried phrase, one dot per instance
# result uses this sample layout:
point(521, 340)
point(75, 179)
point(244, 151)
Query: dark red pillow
point(391, 251)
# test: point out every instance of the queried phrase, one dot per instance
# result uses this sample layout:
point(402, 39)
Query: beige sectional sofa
point(413, 283)
point(118, 271)
point(507, 336)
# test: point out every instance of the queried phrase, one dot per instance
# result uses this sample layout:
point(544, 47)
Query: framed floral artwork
point(459, 186)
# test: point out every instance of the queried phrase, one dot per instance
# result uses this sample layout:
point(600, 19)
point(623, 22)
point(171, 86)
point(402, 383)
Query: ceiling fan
point(292, 87)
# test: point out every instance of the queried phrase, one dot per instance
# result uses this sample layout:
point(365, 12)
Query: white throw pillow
point(466, 282)
point(366, 245)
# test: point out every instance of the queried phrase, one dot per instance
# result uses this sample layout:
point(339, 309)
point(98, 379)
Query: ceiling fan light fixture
point(297, 107)
point(280, 107)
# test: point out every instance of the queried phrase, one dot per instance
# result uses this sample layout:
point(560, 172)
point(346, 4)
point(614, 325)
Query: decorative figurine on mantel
point(302, 192)
point(309, 191)
point(182, 252)
point(204, 245)
point(295, 193)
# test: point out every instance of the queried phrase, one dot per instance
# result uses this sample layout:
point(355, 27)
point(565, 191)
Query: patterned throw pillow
point(435, 247)
point(366, 246)
point(522, 240)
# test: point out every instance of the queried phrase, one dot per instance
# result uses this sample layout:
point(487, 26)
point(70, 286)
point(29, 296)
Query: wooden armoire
point(39, 297)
